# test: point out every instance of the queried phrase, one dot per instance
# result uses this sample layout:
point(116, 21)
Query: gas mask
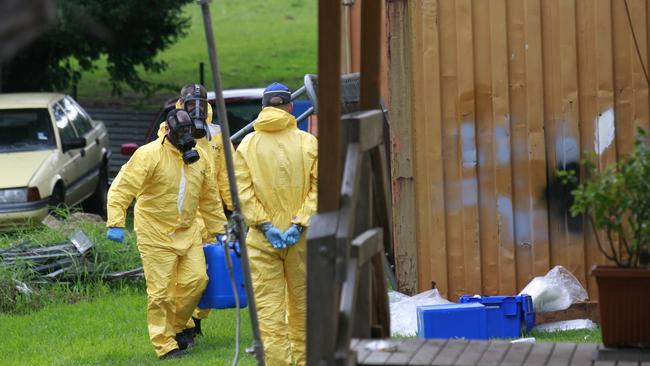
point(196, 105)
point(181, 134)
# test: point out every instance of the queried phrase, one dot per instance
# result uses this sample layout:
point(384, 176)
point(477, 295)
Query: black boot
point(184, 340)
point(175, 353)
point(197, 327)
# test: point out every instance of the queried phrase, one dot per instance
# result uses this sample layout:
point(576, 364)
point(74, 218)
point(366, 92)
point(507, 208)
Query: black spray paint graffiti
point(559, 199)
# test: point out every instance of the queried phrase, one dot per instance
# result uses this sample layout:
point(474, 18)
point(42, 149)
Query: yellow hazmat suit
point(168, 195)
point(276, 169)
point(214, 153)
point(217, 158)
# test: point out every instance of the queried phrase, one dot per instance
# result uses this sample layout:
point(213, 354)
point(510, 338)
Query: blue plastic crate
point(452, 321)
point(507, 316)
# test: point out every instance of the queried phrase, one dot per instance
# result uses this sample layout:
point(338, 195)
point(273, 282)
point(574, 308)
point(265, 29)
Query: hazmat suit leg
point(198, 314)
point(159, 265)
point(295, 268)
point(191, 280)
point(201, 313)
point(269, 286)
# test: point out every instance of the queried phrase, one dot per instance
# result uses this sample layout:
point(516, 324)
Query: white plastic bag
point(403, 310)
point(557, 290)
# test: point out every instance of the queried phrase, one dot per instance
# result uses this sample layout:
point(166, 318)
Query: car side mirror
point(74, 143)
point(128, 149)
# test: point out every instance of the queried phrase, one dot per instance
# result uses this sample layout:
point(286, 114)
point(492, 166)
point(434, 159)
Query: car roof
point(250, 93)
point(230, 96)
point(28, 100)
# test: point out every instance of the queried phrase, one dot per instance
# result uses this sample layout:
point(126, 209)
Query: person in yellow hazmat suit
point(171, 180)
point(276, 170)
point(193, 99)
point(194, 95)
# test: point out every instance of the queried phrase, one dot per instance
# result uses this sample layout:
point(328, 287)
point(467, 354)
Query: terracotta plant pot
point(624, 296)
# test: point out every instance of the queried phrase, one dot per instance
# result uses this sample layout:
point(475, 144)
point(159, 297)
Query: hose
point(233, 284)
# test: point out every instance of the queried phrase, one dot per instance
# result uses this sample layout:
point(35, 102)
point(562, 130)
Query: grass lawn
point(97, 324)
point(258, 41)
point(111, 330)
point(576, 336)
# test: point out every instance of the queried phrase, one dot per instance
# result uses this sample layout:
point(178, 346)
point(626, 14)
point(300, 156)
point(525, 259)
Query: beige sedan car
point(51, 153)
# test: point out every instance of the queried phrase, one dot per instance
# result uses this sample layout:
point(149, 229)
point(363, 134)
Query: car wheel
point(56, 199)
point(97, 202)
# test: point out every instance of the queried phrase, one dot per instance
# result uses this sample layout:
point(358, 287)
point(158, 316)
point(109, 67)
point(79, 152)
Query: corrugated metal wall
point(488, 100)
point(123, 126)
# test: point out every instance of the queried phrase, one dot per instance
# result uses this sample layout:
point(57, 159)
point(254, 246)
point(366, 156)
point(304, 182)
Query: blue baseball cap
point(276, 94)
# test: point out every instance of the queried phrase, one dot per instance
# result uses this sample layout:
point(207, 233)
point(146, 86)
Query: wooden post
point(329, 108)
point(406, 258)
point(370, 53)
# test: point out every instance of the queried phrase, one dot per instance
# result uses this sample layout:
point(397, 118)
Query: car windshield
point(25, 130)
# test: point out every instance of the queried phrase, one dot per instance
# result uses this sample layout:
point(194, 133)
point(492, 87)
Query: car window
point(66, 131)
point(240, 114)
point(25, 129)
point(79, 118)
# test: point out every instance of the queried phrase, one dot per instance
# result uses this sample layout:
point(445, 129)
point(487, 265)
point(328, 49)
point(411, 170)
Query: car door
point(70, 159)
point(90, 156)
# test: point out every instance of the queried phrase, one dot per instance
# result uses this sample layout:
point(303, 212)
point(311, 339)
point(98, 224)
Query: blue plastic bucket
point(218, 293)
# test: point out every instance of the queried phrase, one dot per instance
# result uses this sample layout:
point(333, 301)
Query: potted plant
point(616, 202)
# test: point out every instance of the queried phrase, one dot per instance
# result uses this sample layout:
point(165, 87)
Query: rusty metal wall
point(488, 100)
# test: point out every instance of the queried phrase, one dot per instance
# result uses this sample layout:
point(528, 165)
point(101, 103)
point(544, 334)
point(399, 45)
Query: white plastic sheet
point(403, 310)
point(557, 290)
point(566, 325)
point(523, 340)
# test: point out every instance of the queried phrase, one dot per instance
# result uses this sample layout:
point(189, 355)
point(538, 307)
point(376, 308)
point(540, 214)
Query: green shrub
point(617, 202)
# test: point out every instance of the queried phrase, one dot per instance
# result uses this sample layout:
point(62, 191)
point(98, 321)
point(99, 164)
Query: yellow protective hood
point(162, 130)
point(273, 119)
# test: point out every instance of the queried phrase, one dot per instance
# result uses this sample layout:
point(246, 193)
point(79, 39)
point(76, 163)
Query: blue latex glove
point(292, 235)
point(273, 235)
point(115, 234)
point(221, 239)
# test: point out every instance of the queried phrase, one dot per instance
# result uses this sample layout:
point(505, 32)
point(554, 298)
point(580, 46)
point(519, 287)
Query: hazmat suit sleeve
point(310, 205)
point(252, 208)
point(210, 205)
point(125, 188)
point(222, 172)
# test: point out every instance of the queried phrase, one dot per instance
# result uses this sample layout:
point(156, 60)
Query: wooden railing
point(346, 286)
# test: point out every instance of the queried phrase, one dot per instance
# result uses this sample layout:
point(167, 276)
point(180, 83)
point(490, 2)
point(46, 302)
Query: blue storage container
point(301, 106)
point(452, 321)
point(218, 294)
point(507, 316)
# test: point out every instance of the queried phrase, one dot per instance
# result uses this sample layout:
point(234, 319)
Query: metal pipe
point(305, 114)
point(236, 216)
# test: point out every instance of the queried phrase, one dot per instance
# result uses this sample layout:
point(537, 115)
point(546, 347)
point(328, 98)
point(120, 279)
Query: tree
point(129, 32)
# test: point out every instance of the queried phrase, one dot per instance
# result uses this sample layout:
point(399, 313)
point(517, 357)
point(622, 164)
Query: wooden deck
point(497, 353)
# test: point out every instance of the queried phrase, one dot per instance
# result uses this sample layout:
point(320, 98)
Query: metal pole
point(236, 216)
